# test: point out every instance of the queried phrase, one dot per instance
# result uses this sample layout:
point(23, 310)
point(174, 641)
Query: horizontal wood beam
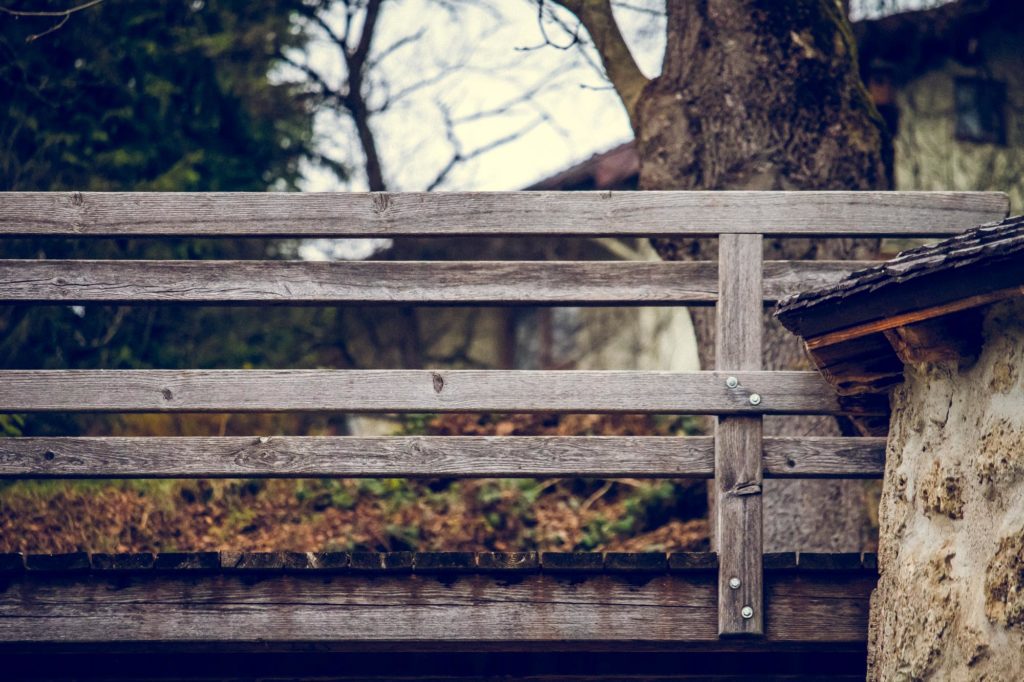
point(282, 214)
point(383, 282)
point(423, 456)
point(356, 609)
point(384, 391)
point(913, 317)
point(824, 457)
point(429, 563)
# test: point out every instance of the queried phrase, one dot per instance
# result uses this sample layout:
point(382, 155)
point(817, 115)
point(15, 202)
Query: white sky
point(571, 115)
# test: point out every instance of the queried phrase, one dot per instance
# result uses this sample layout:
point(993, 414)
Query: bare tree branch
point(459, 156)
point(395, 47)
point(64, 15)
point(362, 48)
point(619, 64)
point(354, 98)
point(50, 13)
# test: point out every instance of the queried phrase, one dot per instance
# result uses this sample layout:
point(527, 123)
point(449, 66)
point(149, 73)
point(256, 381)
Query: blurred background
point(400, 95)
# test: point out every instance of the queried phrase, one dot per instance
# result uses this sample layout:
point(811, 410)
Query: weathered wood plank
point(344, 456)
point(494, 213)
point(975, 268)
point(829, 457)
point(569, 562)
point(63, 563)
point(272, 563)
point(506, 562)
point(316, 561)
point(534, 609)
point(919, 315)
point(418, 391)
point(738, 502)
point(423, 456)
point(187, 561)
point(382, 282)
point(126, 561)
point(635, 562)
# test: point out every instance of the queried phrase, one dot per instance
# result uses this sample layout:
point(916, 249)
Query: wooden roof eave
point(923, 306)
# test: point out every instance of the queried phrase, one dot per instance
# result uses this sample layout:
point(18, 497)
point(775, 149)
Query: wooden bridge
point(736, 600)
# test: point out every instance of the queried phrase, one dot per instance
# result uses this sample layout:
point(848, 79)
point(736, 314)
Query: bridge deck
point(419, 601)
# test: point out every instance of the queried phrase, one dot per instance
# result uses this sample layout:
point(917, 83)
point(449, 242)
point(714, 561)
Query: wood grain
point(343, 456)
point(913, 317)
point(534, 610)
point(381, 282)
point(495, 213)
point(962, 271)
point(828, 457)
point(417, 391)
point(738, 477)
point(423, 456)
point(271, 563)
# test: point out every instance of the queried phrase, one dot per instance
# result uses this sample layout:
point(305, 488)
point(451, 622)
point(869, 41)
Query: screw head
point(732, 382)
point(734, 583)
point(755, 399)
point(747, 612)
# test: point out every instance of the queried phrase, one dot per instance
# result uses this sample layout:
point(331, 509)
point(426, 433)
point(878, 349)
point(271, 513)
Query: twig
point(64, 15)
point(51, 13)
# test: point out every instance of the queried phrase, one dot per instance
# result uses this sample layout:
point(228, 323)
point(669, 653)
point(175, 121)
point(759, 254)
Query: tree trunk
point(765, 95)
point(759, 95)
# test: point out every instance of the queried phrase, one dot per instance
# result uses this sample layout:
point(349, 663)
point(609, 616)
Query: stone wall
point(950, 601)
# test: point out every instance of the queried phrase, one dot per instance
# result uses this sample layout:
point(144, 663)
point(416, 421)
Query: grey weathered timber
point(417, 391)
point(271, 563)
point(829, 457)
point(985, 260)
point(738, 501)
point(423, 456)
point(379, 282)
point(353, 609)
point(495, 213)
point(344, 456)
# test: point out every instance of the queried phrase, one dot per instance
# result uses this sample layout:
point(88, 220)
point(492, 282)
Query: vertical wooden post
point(738, 440)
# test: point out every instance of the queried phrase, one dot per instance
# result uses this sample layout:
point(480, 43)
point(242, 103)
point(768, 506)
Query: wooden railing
point(738, 391)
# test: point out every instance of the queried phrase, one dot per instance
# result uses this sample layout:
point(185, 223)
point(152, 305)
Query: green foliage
point(11, 424)
point(163, 95)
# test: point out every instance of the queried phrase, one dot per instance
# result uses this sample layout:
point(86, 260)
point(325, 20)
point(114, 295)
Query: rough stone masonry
point(950, 600)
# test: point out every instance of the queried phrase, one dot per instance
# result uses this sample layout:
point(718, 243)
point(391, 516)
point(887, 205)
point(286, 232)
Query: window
point(980, 110)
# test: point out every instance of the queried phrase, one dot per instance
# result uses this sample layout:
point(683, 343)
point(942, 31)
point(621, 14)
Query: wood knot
point(381, 202)
point(438, 382)
point(167, 394)
point(49, 455)
point(77, 199)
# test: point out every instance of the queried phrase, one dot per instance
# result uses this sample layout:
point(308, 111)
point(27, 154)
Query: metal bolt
point(732, 382)
point(755, 399)
point(747, 612)
point(734, 583)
